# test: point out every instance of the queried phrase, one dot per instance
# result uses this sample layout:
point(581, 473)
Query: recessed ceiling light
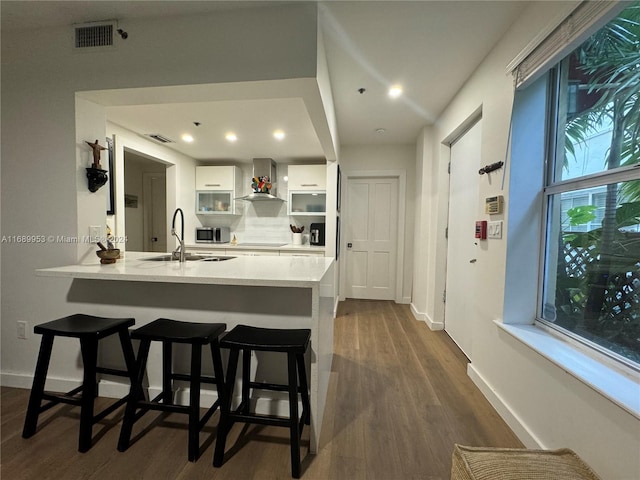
point(395, 91)
point(380, 131)
point(187, 138)
point(278, 134)
point(231, 137)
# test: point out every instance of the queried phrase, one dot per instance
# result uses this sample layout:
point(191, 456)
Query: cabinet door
point(215, 178)
point(252, 253)
point(298, 253)
point(214, 202)
point(307, 177)
point(307, 203)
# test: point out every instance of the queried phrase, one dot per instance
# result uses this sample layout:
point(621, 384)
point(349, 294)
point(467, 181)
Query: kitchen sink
point(171, 258)
point(189, 258)
point(217, 259)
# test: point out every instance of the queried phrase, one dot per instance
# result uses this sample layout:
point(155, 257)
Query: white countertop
point(272, 271)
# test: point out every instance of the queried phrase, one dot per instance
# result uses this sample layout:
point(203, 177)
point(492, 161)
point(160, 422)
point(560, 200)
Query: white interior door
point(462, 245)
point(155, 212)
point(371, 238)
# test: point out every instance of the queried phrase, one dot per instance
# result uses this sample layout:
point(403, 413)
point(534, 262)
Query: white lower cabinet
point(299, 253)
point(252, 253)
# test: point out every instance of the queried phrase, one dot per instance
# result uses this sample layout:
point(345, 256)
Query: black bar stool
point(169, 332)
point(293, 342)
point(89, 330)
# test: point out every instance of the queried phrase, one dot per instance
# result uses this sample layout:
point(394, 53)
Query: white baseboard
point(426, 319)
point(509, 416)
point(18, 380)
point(417, 315)
point(106, 388)
point(434, 325)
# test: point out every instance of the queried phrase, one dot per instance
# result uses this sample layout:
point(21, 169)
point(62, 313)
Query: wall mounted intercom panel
point(493, 205)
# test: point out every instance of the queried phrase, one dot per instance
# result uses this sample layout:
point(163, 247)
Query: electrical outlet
point(494, 229)
point(22, 330)
point(95, 233)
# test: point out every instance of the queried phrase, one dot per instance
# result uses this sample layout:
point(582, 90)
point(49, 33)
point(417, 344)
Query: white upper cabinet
point(217, 177)
point(217, 188)
point(307, 177)
point(307, 190)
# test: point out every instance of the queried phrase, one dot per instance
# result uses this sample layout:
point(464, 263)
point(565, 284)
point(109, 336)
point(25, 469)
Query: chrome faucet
point(179, 252)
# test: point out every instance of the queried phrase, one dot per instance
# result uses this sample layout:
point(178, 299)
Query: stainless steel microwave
point(212, 235)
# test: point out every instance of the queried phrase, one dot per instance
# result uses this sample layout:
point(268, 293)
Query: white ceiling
point(253, 121)
point(429, 47)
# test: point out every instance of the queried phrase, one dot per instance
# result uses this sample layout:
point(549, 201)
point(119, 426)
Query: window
point(591, 280)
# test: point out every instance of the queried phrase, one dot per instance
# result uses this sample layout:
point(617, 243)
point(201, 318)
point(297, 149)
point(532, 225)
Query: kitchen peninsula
point(265, 291)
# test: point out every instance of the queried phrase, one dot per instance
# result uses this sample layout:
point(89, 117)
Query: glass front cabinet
point(307, 203)
point(307, 190)
point(217, 188)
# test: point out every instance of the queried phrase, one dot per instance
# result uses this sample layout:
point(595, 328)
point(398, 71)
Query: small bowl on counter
point(108, 256)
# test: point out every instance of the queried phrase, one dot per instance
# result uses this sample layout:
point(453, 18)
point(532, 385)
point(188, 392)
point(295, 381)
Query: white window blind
point(582, 22)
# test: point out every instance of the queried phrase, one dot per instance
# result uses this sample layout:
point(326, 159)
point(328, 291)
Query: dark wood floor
point(399, 398)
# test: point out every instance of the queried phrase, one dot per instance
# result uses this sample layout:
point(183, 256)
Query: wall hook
point(490, 168)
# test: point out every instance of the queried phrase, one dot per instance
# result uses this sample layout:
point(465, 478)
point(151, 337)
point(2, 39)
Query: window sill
point(622, 390)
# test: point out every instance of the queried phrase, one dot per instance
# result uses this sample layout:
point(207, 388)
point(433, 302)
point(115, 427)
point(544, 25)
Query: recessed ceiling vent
point(159, 138)
point(96, 34)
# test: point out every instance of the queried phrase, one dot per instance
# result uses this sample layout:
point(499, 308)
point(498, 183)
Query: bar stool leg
point(246, 381)
point(194, 402)
point(167, 372)
point(129, 356)
point(89, 349)
point(39, 379)
point(304, 387)
point(135, 393)
point(216, 357)
point(224, 424)
point(293, 415)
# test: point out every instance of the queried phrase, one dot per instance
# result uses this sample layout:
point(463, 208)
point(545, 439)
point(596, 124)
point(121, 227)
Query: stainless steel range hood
point(264, 167)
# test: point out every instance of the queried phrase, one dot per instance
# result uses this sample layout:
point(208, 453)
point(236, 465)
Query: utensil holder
point(297, 238)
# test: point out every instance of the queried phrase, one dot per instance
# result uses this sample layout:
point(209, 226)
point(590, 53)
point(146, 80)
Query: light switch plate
point(95, 233)
point(494, 229)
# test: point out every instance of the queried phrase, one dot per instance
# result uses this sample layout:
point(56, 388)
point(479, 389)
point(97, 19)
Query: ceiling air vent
point(92, 35)
point(159, 138)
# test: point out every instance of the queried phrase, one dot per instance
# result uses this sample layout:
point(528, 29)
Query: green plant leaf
point(581, 214)
point(628, 214)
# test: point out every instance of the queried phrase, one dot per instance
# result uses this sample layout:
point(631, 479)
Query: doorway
point(373, 236)
point(462, 245)
point(145, 202)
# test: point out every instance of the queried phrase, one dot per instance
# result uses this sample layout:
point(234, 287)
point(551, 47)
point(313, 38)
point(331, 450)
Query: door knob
point(349, 245)
point(154, 239)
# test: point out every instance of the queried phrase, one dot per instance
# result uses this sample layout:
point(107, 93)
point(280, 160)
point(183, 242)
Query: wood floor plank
point(399, 398)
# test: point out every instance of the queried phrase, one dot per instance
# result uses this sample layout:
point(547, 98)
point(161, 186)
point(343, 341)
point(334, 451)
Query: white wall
point(545, 405)
point(43, 156)
point(390, 157)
